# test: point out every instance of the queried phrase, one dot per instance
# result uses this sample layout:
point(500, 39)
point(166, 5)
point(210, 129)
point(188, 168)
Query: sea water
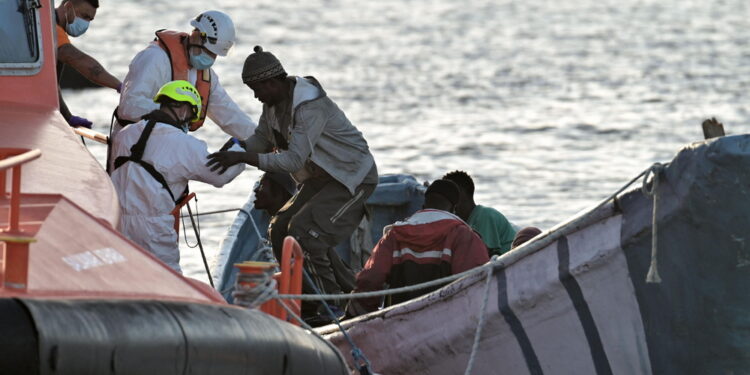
point(549, 105)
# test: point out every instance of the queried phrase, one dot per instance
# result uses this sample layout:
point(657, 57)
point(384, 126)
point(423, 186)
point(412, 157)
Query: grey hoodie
point(319, 132)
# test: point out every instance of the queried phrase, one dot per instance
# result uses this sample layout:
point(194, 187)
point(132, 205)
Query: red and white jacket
point(429, 245)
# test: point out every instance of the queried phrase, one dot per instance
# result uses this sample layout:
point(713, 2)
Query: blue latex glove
point(76, 121)
point(119, 88)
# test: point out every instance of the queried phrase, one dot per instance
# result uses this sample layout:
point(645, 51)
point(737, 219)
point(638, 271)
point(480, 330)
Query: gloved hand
point(231, 142)
point(76, 121)
point(119, 88)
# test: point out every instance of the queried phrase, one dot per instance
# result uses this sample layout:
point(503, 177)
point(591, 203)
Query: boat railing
point(16, 256)
point(91, 134)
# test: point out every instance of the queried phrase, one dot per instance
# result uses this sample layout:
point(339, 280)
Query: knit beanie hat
point(261, 65)
point(446, 188)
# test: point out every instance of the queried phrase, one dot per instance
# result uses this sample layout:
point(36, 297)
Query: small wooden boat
point(575, 300)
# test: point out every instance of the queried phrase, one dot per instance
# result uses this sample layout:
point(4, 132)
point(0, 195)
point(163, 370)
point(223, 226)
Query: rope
point(380, 293)
point(482, 315)
point(251, 291)
point(217, 212)
point(197, 230)
point(311, 330)
point(360, 361)
point(655, 169)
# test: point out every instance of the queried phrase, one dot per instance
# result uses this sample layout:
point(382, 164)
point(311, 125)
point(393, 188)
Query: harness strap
point(136, 156)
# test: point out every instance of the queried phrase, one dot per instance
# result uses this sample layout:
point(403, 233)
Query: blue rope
point(362, 363)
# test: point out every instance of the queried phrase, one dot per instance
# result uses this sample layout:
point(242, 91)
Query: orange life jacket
point(173, 44)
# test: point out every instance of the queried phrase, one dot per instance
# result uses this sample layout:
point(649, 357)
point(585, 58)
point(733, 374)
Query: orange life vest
point(172, 42)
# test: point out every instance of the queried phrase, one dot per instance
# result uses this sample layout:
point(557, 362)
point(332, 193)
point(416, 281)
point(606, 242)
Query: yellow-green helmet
point(181, 91)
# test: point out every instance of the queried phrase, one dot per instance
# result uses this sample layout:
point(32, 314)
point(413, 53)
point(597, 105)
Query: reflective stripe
point(346, 206)
point(422, 254)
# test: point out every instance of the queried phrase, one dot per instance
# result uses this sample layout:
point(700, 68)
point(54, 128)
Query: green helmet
point(181, 91)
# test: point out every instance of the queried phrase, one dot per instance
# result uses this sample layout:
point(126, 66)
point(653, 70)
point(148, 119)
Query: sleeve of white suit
point(226, 113)
point(195, 161)
point(147, 72)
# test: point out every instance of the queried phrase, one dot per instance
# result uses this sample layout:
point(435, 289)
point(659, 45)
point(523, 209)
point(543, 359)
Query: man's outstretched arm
point(87, 66)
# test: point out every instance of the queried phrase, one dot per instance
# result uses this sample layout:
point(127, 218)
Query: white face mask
point(78, 27)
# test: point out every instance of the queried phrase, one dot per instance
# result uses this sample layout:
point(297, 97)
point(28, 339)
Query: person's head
point(466, 192)
point(264, 74)
point(441, 195)
point(75, 15)
point(213, 35)
point(181, 101)
point(524, 235)
point(273, 191)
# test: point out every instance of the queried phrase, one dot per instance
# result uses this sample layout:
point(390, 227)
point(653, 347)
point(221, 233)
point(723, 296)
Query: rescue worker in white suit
point(154, 159)
point(181, 56)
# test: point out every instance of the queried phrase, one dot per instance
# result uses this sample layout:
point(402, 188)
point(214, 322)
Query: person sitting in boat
point(273, 191)
point(303, 132)
point(73, 18)
point(182, 56)
point(430, 244)
point(154, 160)
point(524, 235)
point(496, 231)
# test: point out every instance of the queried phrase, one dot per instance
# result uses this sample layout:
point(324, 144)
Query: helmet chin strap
point(177, 119)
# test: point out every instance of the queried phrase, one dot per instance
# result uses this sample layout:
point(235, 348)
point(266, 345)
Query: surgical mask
point(201, 61)
point(78, 27)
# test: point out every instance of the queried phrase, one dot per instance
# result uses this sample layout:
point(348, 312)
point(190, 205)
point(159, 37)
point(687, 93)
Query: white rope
point(480, 324)
point(380, 293)
point(263, 289)
point(653, 270)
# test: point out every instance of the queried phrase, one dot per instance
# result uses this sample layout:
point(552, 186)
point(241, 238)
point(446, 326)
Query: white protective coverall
point(150, 69)
point(145, 205)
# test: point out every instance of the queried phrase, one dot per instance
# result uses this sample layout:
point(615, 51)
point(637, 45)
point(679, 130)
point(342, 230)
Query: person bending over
point(154, 160)
point(303, 132)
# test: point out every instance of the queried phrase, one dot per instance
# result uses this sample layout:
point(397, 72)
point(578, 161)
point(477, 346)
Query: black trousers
point(321, 215)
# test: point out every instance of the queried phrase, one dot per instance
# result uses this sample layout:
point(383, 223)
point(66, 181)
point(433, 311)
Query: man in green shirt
point(496, 231)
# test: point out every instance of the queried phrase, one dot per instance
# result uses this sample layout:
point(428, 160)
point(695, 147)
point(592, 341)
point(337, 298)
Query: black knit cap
point(260, 66)
point(446, 188)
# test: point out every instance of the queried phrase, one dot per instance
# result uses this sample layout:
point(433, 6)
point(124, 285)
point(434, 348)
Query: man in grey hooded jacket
point(303, 132)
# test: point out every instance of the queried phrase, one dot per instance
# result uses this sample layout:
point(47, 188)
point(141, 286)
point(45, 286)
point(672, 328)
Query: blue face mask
point(201, 61)
point(78, 27)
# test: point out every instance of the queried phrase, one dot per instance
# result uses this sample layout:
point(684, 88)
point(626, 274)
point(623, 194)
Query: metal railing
point(16, 257)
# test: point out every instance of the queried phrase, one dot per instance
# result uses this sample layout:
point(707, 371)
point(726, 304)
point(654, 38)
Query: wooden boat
point(76, 297)
point(575, 300)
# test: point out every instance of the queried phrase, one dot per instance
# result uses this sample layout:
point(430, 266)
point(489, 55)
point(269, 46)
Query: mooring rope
point(655, 170)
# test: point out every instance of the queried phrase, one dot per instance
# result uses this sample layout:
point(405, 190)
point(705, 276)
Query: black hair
point(278, 188)
point(93, 3)
point(438, 201)
point(463, 180)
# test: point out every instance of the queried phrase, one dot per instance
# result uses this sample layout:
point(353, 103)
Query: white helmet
point(218, 29)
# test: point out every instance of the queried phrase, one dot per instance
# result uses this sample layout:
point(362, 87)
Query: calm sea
point(549, 105)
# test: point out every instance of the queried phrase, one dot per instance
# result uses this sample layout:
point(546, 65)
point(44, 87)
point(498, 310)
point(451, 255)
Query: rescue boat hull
point(47, 336)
